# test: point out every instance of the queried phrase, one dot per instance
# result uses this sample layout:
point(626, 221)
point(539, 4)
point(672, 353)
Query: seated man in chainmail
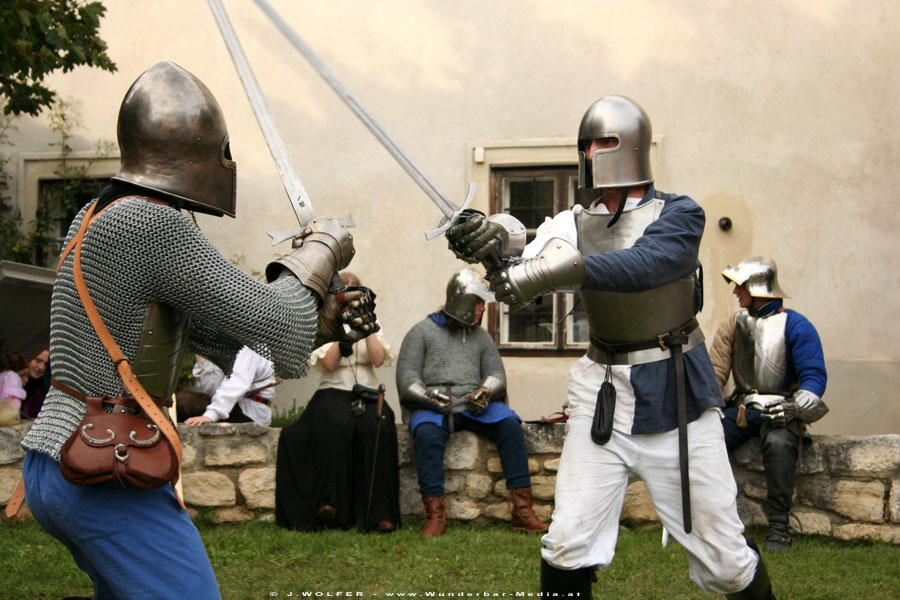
point(160, 287)
point(775, 357)
point(450, 378)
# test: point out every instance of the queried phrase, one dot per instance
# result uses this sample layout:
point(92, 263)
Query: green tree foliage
point(38, 37)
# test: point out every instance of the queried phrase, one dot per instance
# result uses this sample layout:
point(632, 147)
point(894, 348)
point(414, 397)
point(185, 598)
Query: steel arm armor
point(810, 407)
point(558, 267)
point(324, 248)
point(494, 387)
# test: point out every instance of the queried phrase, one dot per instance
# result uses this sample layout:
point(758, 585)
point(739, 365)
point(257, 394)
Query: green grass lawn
point(259, 560)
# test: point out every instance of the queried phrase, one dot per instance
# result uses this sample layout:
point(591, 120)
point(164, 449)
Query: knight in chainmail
point(450, 378)
point(775, 358)
point(162, 288)
point(643, 399)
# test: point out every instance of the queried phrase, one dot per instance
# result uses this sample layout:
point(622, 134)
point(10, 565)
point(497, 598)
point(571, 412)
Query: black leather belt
point(663, 341)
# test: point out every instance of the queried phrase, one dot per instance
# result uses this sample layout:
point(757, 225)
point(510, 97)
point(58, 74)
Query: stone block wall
point(848, 488)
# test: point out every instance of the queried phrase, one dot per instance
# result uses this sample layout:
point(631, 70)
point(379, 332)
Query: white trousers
point(590, 491)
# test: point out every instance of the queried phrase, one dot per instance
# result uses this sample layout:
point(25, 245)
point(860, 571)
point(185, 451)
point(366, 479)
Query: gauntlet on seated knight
point(417, 397)
point(477, 401)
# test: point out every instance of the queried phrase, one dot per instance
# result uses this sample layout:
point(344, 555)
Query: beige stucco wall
point(782, 117)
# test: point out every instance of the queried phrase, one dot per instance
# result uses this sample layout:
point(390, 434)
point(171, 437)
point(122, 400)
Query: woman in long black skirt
point(338, 463)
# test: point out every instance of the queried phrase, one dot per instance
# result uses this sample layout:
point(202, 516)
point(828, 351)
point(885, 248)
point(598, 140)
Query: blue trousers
point(431, 440)
point(133, 543)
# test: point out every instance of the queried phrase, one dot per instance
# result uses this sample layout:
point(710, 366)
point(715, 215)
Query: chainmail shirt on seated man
point(138, 252)
point(438, 356)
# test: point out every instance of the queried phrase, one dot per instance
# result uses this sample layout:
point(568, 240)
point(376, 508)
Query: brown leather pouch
point(123, 446)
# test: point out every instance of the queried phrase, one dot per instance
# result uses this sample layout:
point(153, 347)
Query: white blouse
point(352, 369)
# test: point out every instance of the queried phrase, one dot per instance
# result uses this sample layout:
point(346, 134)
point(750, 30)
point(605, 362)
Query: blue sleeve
point(667, 250)
point(806, 353)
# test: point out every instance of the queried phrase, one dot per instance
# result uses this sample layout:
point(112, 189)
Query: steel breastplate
point(158, 360)
point(760, 354)
point(621, 317)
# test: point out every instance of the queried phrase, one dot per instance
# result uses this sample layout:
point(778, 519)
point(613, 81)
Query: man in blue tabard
point(776, 359)
point(644, 398)
point(450, 378)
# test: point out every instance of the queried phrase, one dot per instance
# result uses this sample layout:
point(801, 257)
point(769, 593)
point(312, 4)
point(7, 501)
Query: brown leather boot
point(523, 517)
point(435, 515)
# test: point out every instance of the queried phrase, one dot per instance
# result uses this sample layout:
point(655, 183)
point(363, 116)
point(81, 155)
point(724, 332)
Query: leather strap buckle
point(663, 340)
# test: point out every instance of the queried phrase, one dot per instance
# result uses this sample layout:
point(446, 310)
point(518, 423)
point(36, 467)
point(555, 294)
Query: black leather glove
point(477, 401)
point(474, 238)
point(346, 348)
point(782, 412)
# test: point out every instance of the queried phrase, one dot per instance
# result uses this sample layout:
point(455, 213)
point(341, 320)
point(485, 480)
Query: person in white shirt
point(245, 395)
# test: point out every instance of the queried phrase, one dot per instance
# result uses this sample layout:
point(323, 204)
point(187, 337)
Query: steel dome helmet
point(464, 290)
point(628, 163)
point(173, 140)
point(758, 275)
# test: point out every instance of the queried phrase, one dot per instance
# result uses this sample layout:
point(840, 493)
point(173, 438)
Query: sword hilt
point(448, 221)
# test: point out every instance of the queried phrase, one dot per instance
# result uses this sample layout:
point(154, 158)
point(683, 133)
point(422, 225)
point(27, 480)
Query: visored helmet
point(627, 164)
point(758, 275)
point(173, 140)
point(464, 291)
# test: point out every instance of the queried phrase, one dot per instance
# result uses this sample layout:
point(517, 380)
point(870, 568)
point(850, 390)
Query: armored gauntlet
point(324, 248)
point(492, 388)
point(782, 412)
point(416, 397)
point(346, 316)
point(803, 405)
point(476, 238)
point(559, 267)
point(477, 401)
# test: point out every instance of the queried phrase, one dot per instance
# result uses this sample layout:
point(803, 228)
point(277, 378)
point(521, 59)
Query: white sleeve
point(235, 386)
point(560, 226)
point(207, 376)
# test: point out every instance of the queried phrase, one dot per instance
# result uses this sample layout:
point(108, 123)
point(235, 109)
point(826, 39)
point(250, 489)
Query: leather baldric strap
point(121, 363)
point(18, 495)
point(16, 500)
point(674, 342)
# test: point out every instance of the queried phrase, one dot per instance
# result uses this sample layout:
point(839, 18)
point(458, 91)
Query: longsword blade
point(296, 193)
point(442, 201)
